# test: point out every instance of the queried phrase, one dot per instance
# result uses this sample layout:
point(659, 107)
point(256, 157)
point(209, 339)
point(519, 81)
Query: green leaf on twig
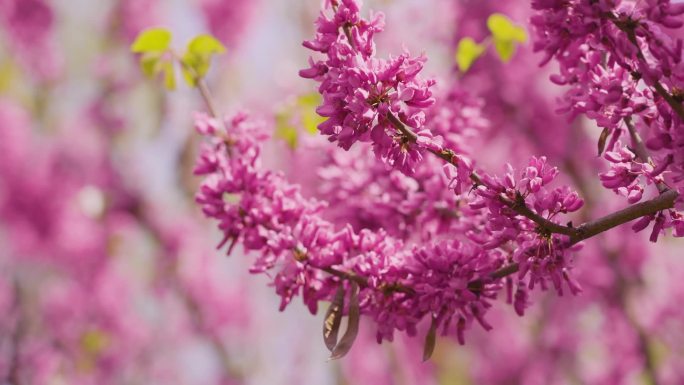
point(197, 57)
point(155, 60)
point(467, 52)
point(152, 40)
point(506, 35)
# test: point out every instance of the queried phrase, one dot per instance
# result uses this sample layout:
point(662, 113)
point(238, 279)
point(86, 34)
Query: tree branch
point(521, 208)
point(662, 202)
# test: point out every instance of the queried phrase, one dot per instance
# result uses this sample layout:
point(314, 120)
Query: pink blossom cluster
point(541, 254)
point(366, 193)
point(363, 96)
point(270, 217)
point(401, 284)
point(402, 215)
point(624, 72)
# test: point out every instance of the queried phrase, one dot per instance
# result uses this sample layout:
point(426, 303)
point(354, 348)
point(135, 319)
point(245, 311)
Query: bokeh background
point(109, 274)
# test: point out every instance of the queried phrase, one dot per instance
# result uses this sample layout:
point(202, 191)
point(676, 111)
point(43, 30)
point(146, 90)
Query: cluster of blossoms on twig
point(269, 216)
point(624, 70)
point(361, 190)
point(451, 281)
point(452, 240)
point(363, 95)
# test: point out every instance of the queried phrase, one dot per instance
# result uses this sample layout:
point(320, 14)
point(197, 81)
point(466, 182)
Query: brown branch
point(363, 281)
point(208, 100)
point(521, 208)
point(662, 202)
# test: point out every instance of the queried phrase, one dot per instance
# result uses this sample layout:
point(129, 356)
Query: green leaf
point(206, 45)
point(285, 130)
point(506, 35)
point(152, 40)
point(197, 57)
point(169, 75)
point(503, 28)
point(505, 49)
point(188, 75)
point(8, 74)
point(94, 341)
point(310, 119)
point(149, 63)
point(467, 52)
point(312, 99)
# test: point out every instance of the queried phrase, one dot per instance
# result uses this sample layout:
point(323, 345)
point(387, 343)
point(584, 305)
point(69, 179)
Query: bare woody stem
point(662, 202)
point(208, 99)
point(363, 282)
point(201, 87)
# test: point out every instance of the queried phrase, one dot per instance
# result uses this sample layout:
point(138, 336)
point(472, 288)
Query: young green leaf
point(285, 130)
point(197, 57)
point(505, 49)
point(189, 74)
point(149, 63)
point(467, 52)
point(206, 45)
point(169, 75)
point(506, 35)
point(152, 40)
point(503, 28)
point(310, 119)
